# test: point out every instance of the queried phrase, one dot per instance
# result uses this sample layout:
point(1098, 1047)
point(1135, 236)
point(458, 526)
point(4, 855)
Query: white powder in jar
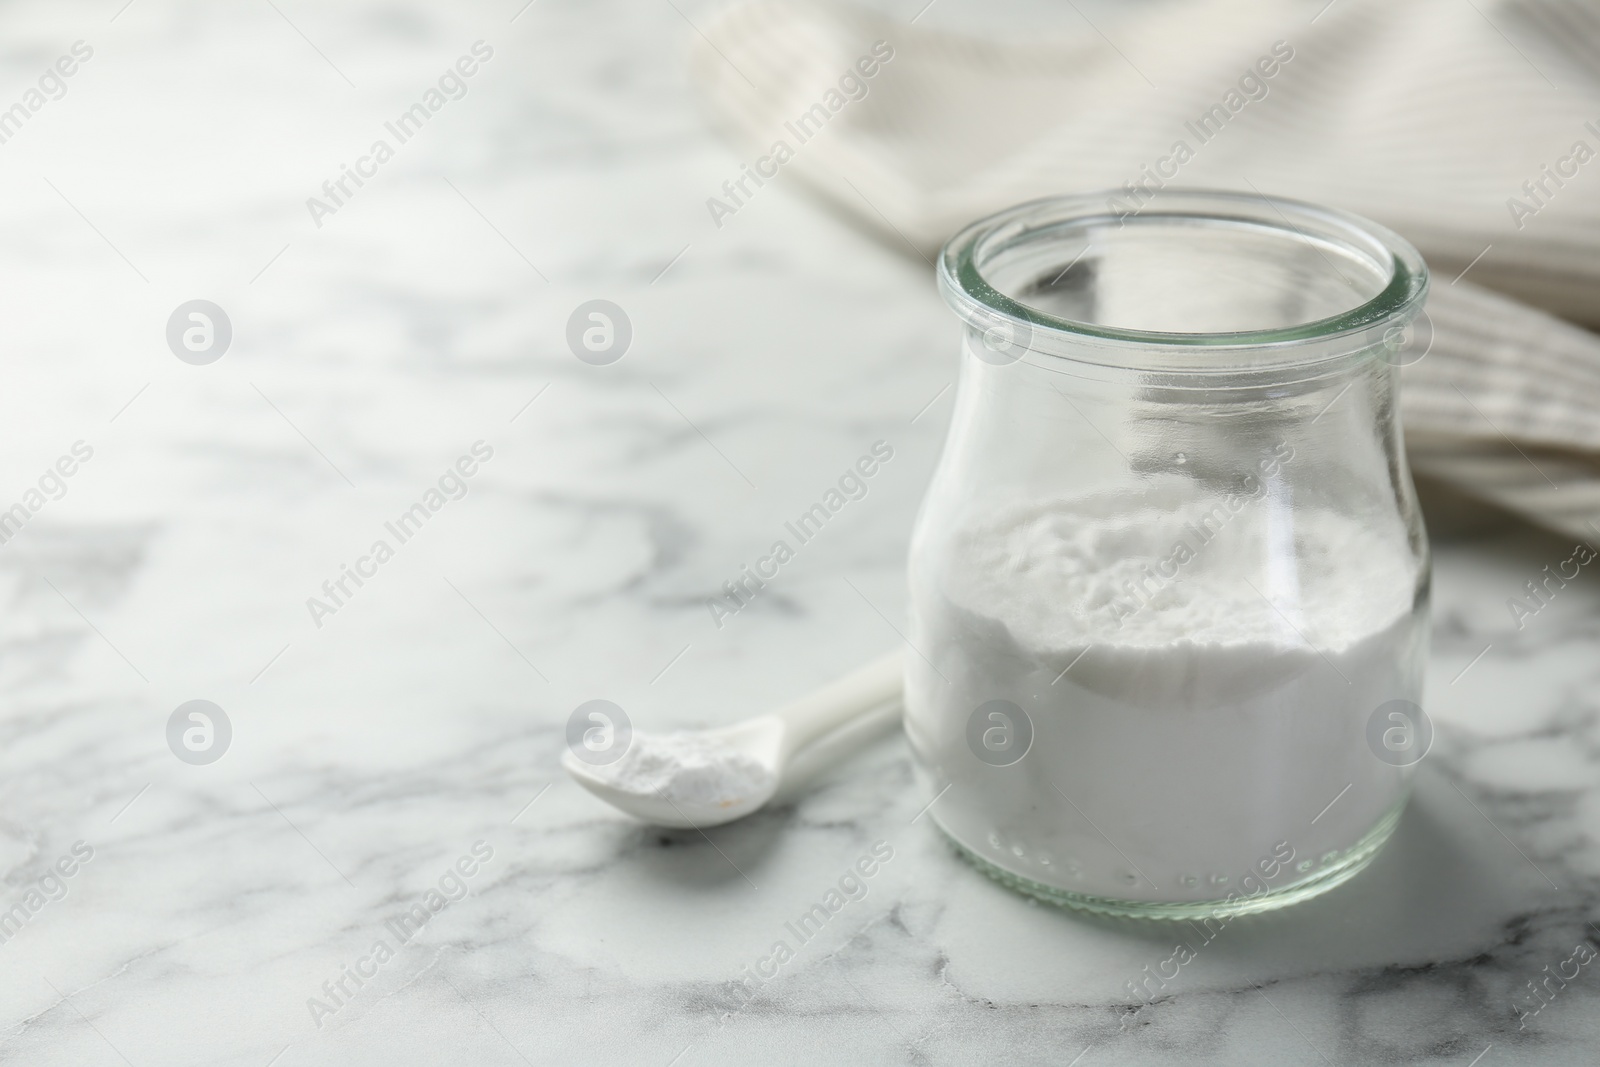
point(1198, 677)
point(687, 768)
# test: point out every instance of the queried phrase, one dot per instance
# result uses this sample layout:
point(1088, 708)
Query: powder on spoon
point(687, 768)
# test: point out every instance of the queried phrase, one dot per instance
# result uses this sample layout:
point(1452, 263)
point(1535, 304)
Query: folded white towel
point(1472, 128)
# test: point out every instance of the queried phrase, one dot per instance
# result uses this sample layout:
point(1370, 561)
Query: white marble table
point(376, 746)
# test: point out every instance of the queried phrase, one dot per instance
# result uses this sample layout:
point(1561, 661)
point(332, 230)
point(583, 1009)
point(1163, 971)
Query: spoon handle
point(862, 690)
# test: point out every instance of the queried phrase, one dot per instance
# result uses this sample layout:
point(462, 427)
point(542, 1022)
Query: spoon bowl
point(761, 739)
point(705, 778)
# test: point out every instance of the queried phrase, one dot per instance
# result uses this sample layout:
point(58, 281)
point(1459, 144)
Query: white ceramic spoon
point(771, 740)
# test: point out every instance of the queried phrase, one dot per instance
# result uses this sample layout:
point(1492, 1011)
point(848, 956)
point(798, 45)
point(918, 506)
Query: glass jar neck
point(1202, 284)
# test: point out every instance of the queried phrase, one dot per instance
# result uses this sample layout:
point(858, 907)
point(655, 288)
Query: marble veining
point(422, 722)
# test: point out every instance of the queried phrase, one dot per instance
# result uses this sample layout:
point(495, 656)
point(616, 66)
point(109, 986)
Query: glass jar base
point(1351, 863)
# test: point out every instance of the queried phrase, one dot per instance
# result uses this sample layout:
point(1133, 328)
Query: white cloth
point(1428, 116)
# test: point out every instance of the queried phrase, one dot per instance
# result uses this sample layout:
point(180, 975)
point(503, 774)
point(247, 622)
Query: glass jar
point(1169, 585)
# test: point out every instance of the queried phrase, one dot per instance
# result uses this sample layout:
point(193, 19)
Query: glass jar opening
point(1190, 269)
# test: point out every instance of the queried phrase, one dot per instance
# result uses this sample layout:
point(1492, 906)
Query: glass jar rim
point(970, 294)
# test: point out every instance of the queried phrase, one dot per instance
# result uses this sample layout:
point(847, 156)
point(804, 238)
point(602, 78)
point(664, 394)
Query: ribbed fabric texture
point(1472, 128)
